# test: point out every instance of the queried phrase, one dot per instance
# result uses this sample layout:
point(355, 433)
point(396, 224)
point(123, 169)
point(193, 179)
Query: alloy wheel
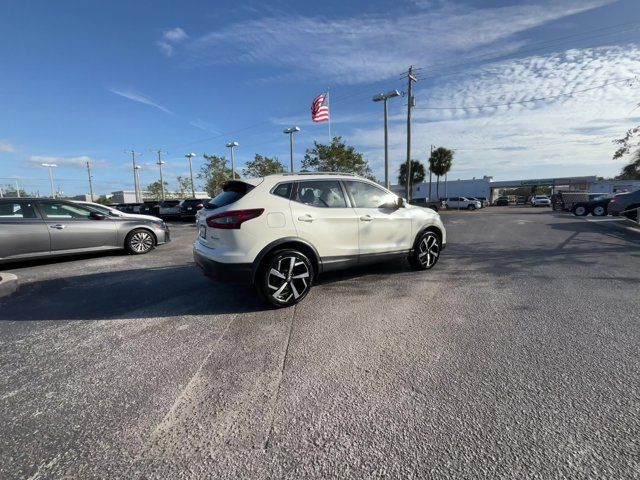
point(428, 250)
point(141, 242)
point(288, 279)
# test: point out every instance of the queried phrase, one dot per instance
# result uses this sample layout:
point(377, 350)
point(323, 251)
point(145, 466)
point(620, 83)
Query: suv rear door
point(22, 231)
point(323, 217)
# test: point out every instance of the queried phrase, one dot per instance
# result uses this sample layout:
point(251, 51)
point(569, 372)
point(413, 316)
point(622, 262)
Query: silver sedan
point(36, 227)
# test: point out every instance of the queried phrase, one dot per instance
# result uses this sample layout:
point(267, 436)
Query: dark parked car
point(190, 206)
point(150, 208)
point(423, 202)
point(170, 208)
point(625, 204)
point(502, 202)
point(129, 207)
point(36, 227)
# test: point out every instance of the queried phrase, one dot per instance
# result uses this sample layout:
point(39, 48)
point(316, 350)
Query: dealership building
point(486, 187)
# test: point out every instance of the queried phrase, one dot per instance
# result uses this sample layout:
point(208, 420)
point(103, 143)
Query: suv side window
point(366, 195)
point(63, 211)
point(321, 193)
point(10, 210)
point(283, 190)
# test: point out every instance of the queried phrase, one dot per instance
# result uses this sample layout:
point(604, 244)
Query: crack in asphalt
point(267, 442)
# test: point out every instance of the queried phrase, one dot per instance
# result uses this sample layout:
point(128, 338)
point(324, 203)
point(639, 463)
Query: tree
point(417, 173)
point(213, 173)
point(262, 166)
point(155, 189)
point(10, 191)
point(184, 185)
point(440, 163)
point(337, 157)
point(631, 141)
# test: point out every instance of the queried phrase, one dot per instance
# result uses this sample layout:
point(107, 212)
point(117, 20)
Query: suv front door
point(71, 227)
point(22, 232)
point(382, 229)
point(322, 217)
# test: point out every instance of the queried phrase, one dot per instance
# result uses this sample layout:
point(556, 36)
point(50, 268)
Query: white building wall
point(614, 186)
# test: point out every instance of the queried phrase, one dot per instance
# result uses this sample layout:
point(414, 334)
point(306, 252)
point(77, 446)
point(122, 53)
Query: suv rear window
point(232, 191)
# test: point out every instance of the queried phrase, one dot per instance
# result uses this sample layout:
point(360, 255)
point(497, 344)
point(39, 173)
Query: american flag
point(320, 108)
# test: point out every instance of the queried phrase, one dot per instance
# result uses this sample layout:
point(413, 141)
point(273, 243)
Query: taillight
point(232, 219)
point(199, 206)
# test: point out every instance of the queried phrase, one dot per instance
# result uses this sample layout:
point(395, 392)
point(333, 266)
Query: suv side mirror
point(401, 202)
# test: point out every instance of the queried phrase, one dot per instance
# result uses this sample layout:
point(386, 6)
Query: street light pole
point(50, 166)
point(410, 104)
point(136, 178)
point(193, 190)
point(231, 145)
point(384, 97)
point(291, 131)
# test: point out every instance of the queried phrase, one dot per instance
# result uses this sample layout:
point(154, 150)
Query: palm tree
point(417, 173)
point(440, 163)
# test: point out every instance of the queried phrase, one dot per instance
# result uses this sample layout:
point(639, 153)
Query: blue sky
point(88, 80)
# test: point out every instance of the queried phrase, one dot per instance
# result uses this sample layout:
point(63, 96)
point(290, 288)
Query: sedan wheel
point(286, 278)
point(427, 252)
point(139, 242)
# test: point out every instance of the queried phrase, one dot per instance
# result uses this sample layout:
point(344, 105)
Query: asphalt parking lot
point(516, 357)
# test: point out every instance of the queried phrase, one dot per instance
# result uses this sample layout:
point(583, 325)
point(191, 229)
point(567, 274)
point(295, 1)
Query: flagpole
point(329, 103)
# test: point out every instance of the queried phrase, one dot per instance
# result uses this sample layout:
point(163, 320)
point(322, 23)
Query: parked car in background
point(150, 208)
point(477, 200)
point(425, 202)
point(502, 202)
point(113, 212)
point(169, 208)
point(520, 200)
point(34, 227)
point(622, 203)
point(129, 207)
point(279, 232)
point(462, 203)
point(484, 200)
point(189, 207)
point(540, 201)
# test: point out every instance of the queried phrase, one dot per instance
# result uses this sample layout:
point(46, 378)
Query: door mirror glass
point(97, 216)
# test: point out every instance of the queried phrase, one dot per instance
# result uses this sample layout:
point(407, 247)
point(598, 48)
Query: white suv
point(540, 201)
point(462, 202)
point(279, 232)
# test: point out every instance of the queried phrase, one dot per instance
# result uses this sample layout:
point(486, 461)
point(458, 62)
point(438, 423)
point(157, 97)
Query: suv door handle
point(366, 218)
point(307, 217)
point(57, 226)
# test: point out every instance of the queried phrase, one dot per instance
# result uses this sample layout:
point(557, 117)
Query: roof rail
point(319, 173)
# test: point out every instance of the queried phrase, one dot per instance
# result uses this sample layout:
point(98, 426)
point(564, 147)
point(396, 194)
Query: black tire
point(139, 241)
point(283, 283)
point(599, 211)
point(426, 251)
point(471, 207)
point(580, 210)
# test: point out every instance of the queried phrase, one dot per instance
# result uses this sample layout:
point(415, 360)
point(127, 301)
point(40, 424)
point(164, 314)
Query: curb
point(8, 284)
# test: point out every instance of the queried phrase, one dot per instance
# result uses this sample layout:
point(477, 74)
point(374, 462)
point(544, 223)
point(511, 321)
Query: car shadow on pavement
point(137, 293)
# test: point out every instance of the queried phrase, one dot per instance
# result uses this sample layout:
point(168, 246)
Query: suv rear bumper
point(228, 272)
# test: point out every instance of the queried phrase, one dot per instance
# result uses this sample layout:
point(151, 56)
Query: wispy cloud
point(79, 161)
point(6, 147)
point(137, 97)
point(170, 38)
point(370, 48)
point(204, 125)
point(556, 136)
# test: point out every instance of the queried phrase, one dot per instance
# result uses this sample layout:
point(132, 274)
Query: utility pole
point(90, 182)
point(17, 189)
point(430, 172)
point(137, 180)
point(1, 193)
point(410, 104)
point(160, 163)
point(136, 186)
point(193, 190)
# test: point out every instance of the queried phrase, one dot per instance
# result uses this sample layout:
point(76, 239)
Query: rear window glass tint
point(283, 190)
point(231, 192)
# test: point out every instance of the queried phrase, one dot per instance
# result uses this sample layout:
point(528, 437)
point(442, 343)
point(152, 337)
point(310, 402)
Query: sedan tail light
point(232, 219)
